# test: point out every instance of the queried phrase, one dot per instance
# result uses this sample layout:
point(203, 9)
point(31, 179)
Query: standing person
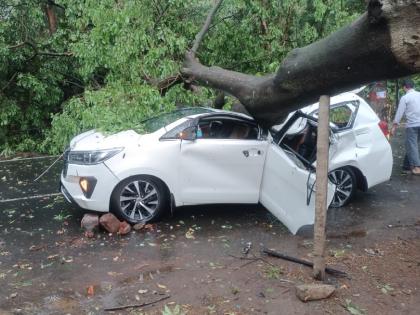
point(410, 107)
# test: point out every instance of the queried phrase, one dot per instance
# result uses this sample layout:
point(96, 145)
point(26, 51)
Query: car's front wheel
point(139, 199)
point(346, 185)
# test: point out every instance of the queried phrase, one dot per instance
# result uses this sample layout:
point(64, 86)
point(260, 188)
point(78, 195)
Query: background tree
point(36, 72)
point(99, 66)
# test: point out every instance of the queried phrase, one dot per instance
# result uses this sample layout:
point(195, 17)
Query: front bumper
point(100, 197)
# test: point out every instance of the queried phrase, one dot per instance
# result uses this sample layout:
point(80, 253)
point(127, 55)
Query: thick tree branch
point(220, 100)
point(199, 38)
point(51, 17)
point(232, 82)
point(384, 43)
point(166, 84)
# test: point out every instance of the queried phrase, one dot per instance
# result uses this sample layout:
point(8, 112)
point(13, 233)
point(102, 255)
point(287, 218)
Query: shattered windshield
point(155, 123)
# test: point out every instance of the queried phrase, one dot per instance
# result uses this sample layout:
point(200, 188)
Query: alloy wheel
point(345, 185)
point(139, 200)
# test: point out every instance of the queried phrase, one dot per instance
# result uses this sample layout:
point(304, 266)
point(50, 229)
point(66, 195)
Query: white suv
point(206, 156)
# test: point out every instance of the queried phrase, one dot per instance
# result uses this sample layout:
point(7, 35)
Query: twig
point(123, 307)
point(49, 167)
point(222, 20)
point(10, 81)
point(242, 258)
point(17, 45)
point(55, 54)
point(251, 260)
point(56, 4)
point(162, 13)
point(331, 271)
point(43, 53)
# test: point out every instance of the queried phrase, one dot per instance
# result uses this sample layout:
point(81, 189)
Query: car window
point(223, 128)
point(155, 123)
point(342, 115)
point(174, 133)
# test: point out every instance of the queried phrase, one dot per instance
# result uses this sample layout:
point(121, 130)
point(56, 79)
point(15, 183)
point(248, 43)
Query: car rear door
point(288, 187)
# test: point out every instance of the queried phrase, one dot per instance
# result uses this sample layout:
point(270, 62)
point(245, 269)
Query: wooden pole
point(322, 146)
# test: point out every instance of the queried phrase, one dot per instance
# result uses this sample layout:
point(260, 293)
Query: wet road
point(48, 267)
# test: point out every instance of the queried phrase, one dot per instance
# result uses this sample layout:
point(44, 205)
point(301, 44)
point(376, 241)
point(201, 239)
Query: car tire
point(346, 184)
point(140, 199)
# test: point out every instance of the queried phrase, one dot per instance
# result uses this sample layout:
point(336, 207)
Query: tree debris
point(331, 271)
point(123, 307)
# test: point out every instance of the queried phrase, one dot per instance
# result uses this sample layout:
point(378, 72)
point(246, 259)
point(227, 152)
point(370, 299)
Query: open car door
point(288, 184)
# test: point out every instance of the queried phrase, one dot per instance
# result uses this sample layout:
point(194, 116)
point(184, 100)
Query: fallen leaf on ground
point(67, 260)
point(90, 290)
point(353, 309)
point(190, 234)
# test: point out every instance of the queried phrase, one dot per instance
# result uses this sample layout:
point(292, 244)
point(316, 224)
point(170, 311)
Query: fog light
point(84, 184)
point(87, 184)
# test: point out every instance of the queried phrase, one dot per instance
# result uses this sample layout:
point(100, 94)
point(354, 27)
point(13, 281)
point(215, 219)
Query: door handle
point(252, 152)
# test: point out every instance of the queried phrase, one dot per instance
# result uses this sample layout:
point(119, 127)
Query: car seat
point(215, 129)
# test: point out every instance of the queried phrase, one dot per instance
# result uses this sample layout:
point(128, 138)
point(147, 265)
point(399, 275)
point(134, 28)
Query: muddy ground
point(194, 259)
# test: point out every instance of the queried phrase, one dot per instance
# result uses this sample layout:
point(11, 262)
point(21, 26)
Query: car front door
point(223, 164)
point(288, 186)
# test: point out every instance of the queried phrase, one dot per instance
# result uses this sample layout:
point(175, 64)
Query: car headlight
point(92, 157)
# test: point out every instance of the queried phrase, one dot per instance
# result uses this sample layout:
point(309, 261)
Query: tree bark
point(383, 43)
point(52, 18)
point(321, 204)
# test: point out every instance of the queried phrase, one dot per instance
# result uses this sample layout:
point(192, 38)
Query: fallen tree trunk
point(383, 43)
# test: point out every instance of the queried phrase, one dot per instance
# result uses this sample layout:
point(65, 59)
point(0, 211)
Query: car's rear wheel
point(139, 199)
point(346, 185)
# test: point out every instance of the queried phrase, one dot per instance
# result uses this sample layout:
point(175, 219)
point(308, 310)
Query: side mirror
point(189, 134)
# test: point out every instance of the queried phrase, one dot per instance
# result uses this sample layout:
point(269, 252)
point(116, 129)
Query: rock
point(311, 292)
point(138, 226)
point(110, 223)
point(125, 228)
point(90, 223)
